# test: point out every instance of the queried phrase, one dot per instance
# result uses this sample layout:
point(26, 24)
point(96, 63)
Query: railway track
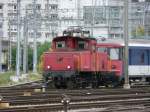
point(140, 104)
point(80, 91)
point(30, 100)
point(136, 99)
point(52, 102)
point(32, 84)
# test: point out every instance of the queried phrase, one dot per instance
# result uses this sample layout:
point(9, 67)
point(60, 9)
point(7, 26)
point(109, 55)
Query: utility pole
point(78, 12)
point(35, 38)
point(18, 40)
point(25, 49)
point(146, 6)
point(10, 48)
point(93, 16)
point(0, 54)
point(146, 16)
point(92, 25)
point(126, 76)
point(49, 23)
point(48, 18)
point(47, 9)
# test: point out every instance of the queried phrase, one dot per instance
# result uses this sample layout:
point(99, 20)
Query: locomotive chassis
point(73, 79)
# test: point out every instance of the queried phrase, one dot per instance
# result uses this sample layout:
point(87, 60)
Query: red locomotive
point(76, 60)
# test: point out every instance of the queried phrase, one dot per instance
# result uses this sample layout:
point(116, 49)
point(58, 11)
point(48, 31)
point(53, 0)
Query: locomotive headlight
point(68, 66)
point(48, 67)
point(113, 66)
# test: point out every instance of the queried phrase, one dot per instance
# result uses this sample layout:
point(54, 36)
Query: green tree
point(30, 53)
point(138, 32)
point(41, 48)
point(30, 58)
point(13, 57)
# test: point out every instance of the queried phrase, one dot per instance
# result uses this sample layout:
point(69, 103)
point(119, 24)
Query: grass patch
point(5, 78)
point(34, 77)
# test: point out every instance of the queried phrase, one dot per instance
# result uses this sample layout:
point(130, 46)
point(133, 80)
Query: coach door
point(116, 60)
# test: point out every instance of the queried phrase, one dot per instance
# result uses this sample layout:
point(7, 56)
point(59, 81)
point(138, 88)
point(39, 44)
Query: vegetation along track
point(32, 84)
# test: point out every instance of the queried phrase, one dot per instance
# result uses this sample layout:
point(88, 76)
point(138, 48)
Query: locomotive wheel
point(51, 85)
point(70, 85)
point(115, 84)
point(94, 85)
point(83, 85)
point(57, 86)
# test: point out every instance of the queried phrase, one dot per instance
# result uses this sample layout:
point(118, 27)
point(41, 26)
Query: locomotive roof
point(110, 45)
point(76, 37)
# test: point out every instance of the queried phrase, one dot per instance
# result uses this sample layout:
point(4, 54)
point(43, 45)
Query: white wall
point(67, 8)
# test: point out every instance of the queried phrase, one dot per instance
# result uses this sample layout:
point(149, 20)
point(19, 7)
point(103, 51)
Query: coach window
point(60, 44)
point(114, 53)
point(142, 58)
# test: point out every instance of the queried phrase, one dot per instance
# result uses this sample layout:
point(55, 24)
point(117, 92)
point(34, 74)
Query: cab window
point(81, 45)
point(114, 54)
point(102, 49)
point(60, 44)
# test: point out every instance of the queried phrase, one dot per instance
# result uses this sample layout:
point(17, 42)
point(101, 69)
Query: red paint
point(89, 59)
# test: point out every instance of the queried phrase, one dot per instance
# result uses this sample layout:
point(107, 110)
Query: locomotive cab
point(115, 62)
point(74, 40)
point(69, 43)
point(115, 53)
